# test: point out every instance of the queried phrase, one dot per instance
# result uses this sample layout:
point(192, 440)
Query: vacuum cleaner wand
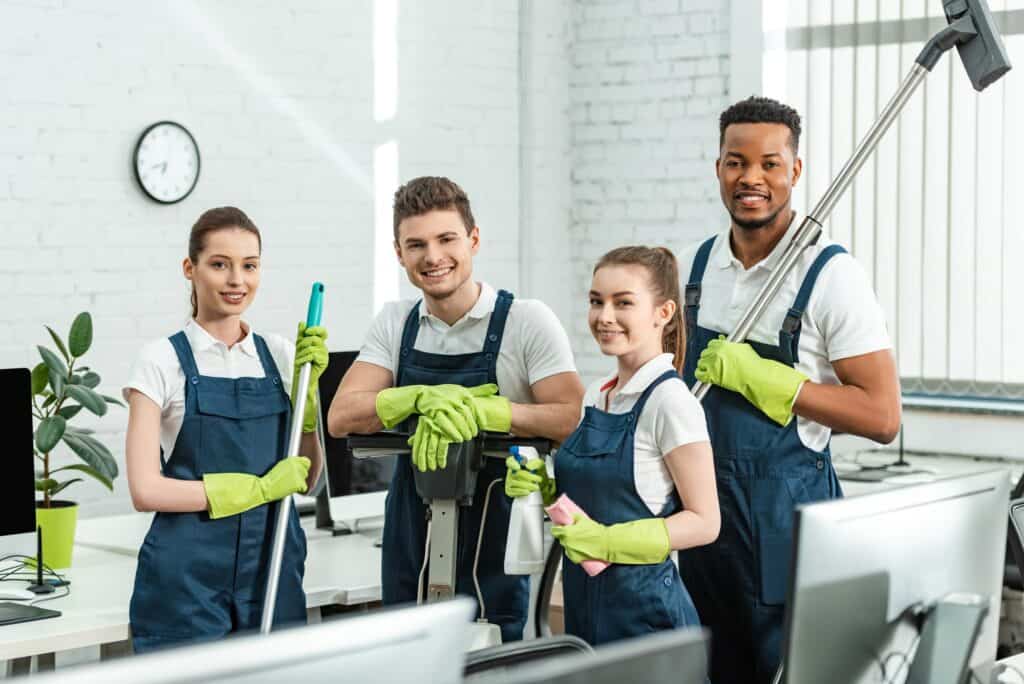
point(972, 31)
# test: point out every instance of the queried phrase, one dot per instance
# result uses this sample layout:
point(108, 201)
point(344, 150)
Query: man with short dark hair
point(464, 358)
point(820, 353)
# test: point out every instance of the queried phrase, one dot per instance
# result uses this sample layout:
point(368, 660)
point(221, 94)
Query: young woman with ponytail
point(208, 418)
point(639, 464)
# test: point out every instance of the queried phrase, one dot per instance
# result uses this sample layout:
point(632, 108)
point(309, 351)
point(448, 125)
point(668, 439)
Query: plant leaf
point(43, 485)
point(112, 400)
point(75, 379)
point(50, 400)
point(62, 485)
point(40, 376)
point(92, 472)
point(49, 433)
point(87, 398)
point(53, 362)
point(69, 411)
point(91, 380)
point(79, 431)
point(60, 344)
point(80, 337)
point(93, 452)
point(56, 382)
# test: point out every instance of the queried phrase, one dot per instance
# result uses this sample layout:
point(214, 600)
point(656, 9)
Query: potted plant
point(61, 389)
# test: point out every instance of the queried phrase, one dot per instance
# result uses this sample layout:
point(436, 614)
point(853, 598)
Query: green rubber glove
point(233, 493)
point(640, 542)
point(522, 480)
point(310, 347)
point(429, 446)
point(448, 406)
point(769, 385)
point(395, 404)
point(492, 413)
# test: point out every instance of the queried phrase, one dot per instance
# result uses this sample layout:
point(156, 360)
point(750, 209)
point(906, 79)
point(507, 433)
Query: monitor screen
point(345, 473)
point(866, 569)
point(17, 486)
point(397, 646)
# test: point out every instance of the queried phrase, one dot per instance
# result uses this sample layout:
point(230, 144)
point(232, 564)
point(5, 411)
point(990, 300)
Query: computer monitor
point(402, 646)
point(679, 656)
point(17, 486)
point(868, 569)
point(355, 487)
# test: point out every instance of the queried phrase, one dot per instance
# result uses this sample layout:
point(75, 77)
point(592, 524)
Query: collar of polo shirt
point(724, 258)
point(200, 340)
point(483, 307)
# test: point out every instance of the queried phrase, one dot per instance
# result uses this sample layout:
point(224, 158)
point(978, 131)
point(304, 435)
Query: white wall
point(281, 99)
point(649, 80)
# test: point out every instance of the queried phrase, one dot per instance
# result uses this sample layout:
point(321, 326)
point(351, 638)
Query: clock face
point(167, 162)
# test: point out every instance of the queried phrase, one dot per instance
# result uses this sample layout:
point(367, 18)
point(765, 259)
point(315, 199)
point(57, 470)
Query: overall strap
point(411, 329)
point(188, 366)
point(638, 408)
point(496, 328)
point(691, 297)
point(270, 368)
point(789, 335)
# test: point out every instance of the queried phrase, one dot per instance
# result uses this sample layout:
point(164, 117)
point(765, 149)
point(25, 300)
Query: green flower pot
point(58, 523)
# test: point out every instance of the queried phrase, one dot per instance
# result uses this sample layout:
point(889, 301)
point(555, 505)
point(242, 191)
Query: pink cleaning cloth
point(561, 513)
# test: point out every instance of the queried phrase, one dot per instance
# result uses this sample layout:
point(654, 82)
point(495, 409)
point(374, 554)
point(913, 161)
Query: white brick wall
point(648, 81)
point(280, 99)
point(590, 123)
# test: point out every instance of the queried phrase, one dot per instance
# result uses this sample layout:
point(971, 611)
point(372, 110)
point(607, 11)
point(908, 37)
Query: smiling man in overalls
point(463, 358)
point(819, 360)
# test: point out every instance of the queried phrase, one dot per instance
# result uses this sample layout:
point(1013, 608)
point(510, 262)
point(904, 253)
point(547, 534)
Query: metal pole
point(810, 228)
point(285, 505)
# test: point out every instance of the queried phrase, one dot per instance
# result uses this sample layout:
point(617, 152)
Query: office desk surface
point(339, 570)
point(936, 467)
point(94, 612)
point(124, 533)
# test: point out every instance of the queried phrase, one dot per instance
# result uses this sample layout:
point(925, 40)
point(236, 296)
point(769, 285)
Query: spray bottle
point(524, 548)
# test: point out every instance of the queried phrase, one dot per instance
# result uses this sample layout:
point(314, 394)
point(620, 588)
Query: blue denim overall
point(197, 578)
point(594, 466)
point(506, 597)
point(739, 582)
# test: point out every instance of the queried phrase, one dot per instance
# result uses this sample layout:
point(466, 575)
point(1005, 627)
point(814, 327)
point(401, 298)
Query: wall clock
point(166, 162)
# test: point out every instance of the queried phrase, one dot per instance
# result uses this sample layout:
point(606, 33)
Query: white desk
point(938, 467)
point(1014, 674)
point(341, 570)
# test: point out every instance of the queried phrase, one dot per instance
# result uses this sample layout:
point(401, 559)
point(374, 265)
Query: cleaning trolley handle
point(316, 305)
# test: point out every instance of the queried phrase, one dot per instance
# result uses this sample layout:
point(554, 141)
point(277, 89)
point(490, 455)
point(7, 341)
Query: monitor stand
point(353, 509)
point(878, 473)
point(950, 629)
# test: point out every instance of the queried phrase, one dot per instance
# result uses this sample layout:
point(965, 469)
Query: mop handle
point(316, 305)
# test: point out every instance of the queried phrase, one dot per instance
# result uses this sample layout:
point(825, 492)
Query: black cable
point(67, 590)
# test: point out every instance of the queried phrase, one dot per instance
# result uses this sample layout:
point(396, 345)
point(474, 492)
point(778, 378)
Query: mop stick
point(316, 303)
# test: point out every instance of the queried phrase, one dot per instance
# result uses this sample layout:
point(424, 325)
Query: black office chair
point(1014, 567)
point(519, 652)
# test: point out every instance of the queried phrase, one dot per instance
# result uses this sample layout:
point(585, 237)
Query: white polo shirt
point(534, 345)
point(157, 373)
point(671, 418)
point(843, 317)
